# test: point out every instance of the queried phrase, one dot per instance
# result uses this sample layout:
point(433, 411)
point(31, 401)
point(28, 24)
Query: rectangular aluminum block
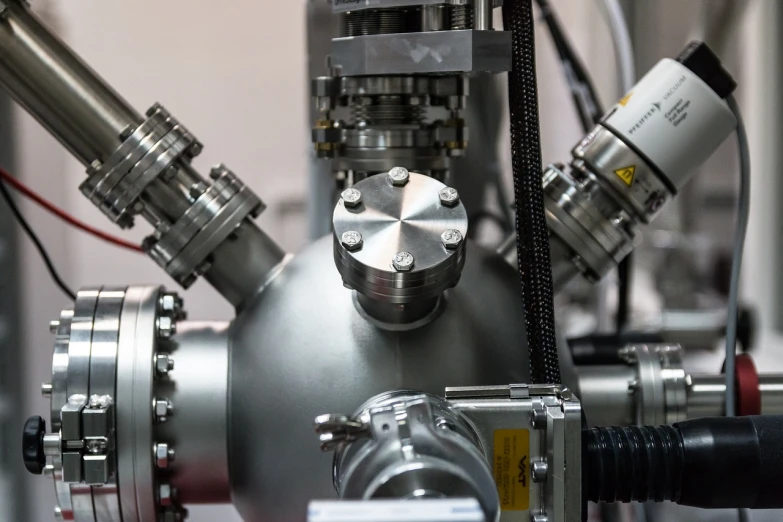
point(437, 52)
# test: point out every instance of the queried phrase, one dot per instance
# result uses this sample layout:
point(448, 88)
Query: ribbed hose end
point(632, 464)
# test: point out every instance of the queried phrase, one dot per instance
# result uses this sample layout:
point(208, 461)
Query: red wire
point(46, 205)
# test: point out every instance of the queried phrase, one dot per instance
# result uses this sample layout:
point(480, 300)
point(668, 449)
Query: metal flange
point(403, 223)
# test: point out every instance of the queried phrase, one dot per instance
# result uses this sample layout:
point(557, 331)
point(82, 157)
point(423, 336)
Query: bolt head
point(166, 493)
point(449, 197)
point(399, 176)
point(162, 455)
point(452, 239)
point(195, 149)
point(126, 132)
point(166, 327)
point(46, 390)
point(53, 326)
point(171, 304)
point(539, 471)
point(58, 513)
point(403, 262)
point(351, 197)
point(162, 409)
point(216, 171)
point(163, 363)
point(352, 241)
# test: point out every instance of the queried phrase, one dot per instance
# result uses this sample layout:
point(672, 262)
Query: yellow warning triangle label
point(626, 174)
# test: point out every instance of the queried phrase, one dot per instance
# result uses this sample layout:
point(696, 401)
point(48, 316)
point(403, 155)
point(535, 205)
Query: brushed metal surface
point(301, 349)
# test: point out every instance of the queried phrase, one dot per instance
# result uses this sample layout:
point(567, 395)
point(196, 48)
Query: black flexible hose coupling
point(708, 463)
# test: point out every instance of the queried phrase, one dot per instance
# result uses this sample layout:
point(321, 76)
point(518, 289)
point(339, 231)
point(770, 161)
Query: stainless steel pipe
point(44, 76)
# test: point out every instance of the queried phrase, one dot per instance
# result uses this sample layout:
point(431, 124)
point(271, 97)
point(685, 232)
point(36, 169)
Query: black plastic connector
point(705, 64)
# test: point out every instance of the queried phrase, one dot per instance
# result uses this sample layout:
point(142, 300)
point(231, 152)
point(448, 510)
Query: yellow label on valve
point(627, 174)
point(511, 467)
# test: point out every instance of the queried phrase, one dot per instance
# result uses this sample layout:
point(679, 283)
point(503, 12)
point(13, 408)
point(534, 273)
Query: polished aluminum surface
point(596, 230)
point(58, 89)
point(305, 329)
point(137, 345)
point(438, 52)
point(417, 447)
point(198, 388)
point(607, 395)
point(402, 257)
point(604, 154)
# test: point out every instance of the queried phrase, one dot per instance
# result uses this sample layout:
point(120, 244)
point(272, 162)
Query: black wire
point(582, 88)
point(37, 242)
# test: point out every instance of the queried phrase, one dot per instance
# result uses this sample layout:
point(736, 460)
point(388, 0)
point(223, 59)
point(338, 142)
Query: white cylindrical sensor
point(673, 119)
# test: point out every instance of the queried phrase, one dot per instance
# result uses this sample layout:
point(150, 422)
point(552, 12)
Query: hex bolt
point(152, 110)
point(539, 517)
point(48, 470)
point(352, 241)
point(351, 197)
point(170, 304)
point(449, 197)
point(403, 262)
point(195, 149)
point(164, 455)
point(539, 470)
point(163, 364)
point(162, 409)
point(216, 171)
point(452, 239)
point(399, 176)
point(166, 326)
point(538, 417)
point(58, 513)
point(53, 326)
point(46, 389)
point(126, 132)
point(166, 494)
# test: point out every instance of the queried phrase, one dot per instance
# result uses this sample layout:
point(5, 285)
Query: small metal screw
point(452, 239)
point(449, 197)
point(48, 470)
point(351, 197)
point(196, 190)
point(540, 517)
point(399, 176)
point(539, 470)
point(403, 262)
point(126, 132)
point(164, 455)
point(58, 513)
point(163, 364)
point(155, 108)
point(163, 409)
point(195, 149)
point(216, 171)
point(94, 167)
point(46, 389)
point(166, 327)
point(53, 326)
point(539, 417)
point(352, 241)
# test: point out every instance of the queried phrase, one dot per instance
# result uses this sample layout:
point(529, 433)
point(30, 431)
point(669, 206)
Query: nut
point(351, 197)
point(164, 455)
point(46, 389)
point(163, 363)
point(166, 326)
point(162, 409)
point(539, 471)
point(399, 176)
point(449, 197)
point(171, 304)
point(352, 241)
point(452, 239)
point(53, 326)
point(403, 262)
point(166, 494)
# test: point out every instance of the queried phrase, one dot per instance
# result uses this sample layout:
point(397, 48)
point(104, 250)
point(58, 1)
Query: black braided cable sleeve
point(535, 266)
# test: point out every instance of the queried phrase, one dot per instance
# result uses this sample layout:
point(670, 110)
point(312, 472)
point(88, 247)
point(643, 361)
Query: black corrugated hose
point(535, 265)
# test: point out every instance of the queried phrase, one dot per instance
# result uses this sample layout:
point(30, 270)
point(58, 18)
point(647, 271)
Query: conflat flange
point(403, 256)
